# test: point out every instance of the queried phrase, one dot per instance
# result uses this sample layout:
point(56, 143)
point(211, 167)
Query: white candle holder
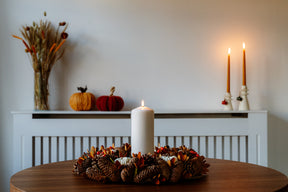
point(244, 104)
point(228, 98)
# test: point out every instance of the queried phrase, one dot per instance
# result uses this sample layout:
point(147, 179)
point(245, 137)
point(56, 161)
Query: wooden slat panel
point(125, 140)
point(62, 149)
point(45, 150)
point(195, 143)
point(211, 144)
point(242, 149)
point(93, 141)
point(54, 149)
point(37, 151)
point(170, 141)
point(102, 141)
point(109, 141)
point(227, 148)
point(186, 141)
point(219, 147)
point(78, 147)
point(70, 148)
point(235, 148)
point(86, 145)
point(156, 141)
point(178, 141)
point(202, 142)
point(162, 141)
point(118, 141)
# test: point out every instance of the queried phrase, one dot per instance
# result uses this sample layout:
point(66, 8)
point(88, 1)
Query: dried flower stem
point(26, 45)
point(51, 49)
point(63, 41)
point(15, 36)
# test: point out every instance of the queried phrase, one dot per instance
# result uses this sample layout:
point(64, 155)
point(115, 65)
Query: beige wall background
point(172, 53)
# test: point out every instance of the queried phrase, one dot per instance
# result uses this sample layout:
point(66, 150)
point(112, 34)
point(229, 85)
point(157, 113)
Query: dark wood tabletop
point(223, 176)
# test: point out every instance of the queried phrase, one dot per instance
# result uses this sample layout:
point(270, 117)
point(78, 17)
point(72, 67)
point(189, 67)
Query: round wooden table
point(223, 176)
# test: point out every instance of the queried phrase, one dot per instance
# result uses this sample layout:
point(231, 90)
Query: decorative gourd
point(110, 103)
point(83, 101)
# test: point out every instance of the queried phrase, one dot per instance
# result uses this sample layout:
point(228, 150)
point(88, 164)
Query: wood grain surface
point(223, 176)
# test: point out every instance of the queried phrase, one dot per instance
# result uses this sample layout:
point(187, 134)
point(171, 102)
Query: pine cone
point(96, 175)
point(127, 174)
point(147, 173)
point(75, 169)
point(109, 169)
point(80, 168)
point(177, 172)
point(196, 166)
point(149, 160)
point(116, 177)
point(106, 166)
point(86, 163)
point(133, 160)
point(165, 171)
point(124, 150)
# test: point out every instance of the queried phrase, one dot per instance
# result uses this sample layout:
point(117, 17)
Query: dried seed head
point(64, 35)
point(45, 14)
point(62, 23)
point(27, 28)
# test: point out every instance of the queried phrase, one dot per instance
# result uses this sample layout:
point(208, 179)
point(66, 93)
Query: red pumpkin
point(110, 103)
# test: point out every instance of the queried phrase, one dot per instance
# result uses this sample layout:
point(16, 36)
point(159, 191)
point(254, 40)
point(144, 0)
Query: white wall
point(172, 53)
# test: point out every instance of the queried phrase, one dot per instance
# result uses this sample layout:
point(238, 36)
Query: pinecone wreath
point(116, 165)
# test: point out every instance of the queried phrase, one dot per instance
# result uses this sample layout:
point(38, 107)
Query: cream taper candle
point(244, 66)
point(228, 71)
point(142, 130)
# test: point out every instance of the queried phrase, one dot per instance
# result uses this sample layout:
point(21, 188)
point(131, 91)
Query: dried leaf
point(139, 155)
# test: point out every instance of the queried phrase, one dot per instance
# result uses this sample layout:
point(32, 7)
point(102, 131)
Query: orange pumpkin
point(83, 101)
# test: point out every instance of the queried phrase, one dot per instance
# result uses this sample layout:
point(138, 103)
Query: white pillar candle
point(142, 130)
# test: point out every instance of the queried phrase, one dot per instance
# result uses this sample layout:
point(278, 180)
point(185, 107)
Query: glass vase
point(40, 92)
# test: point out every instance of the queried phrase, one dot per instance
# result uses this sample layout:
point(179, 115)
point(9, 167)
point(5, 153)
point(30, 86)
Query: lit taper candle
point(142, 130)
point(244, 66)
point(228, 71)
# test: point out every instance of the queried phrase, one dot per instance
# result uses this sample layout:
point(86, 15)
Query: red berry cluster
point(162, 150)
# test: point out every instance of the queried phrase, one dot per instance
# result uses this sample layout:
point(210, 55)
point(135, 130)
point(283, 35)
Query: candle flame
point(243, 45)
point(142, 103)
point(229, 51)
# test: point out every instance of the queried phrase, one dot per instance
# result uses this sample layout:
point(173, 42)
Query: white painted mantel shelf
point(49, 136)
